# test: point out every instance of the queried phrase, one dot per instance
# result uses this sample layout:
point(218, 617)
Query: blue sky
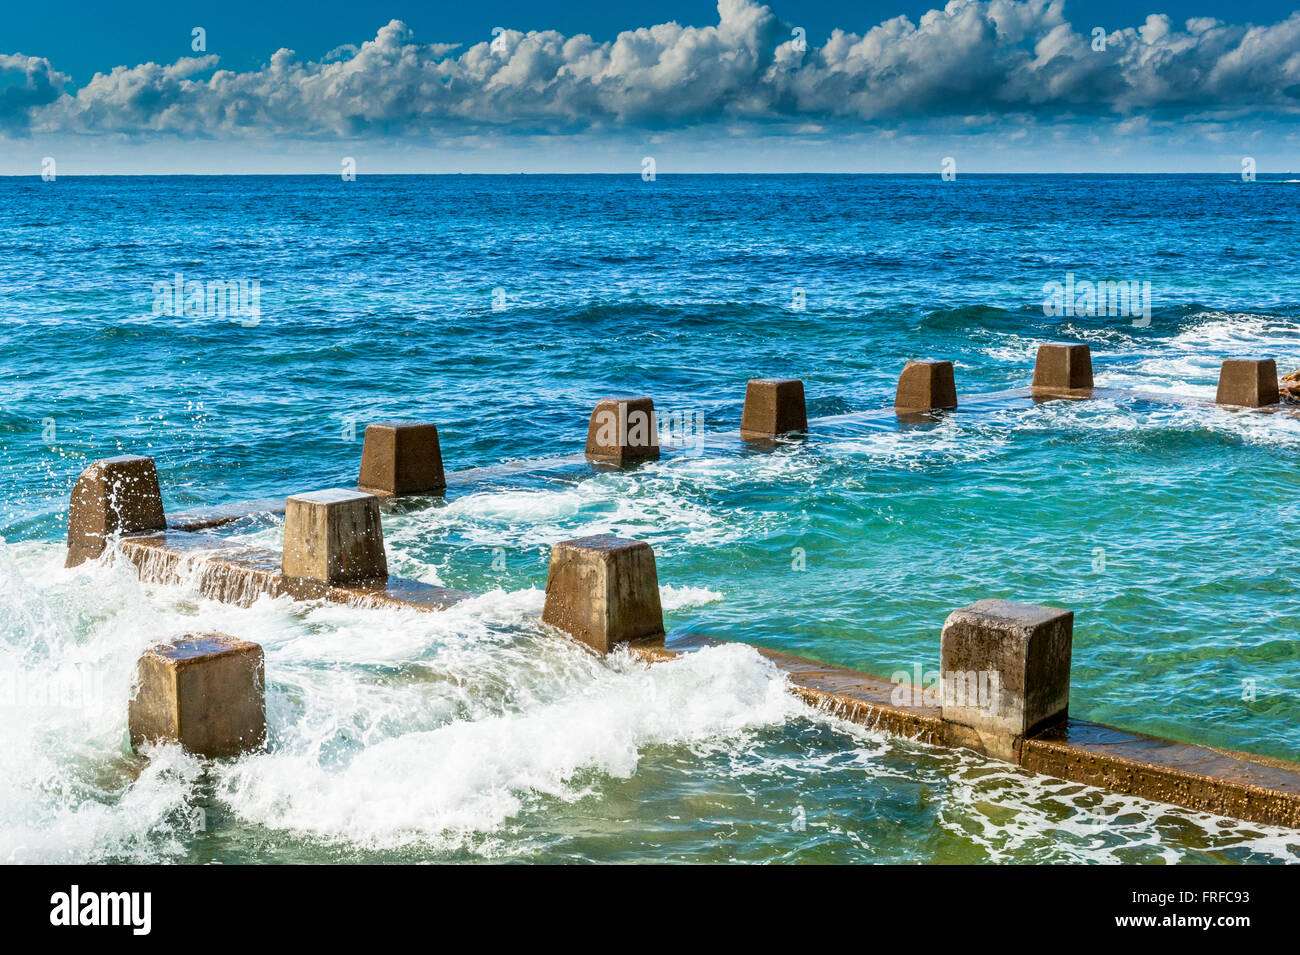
point(89, 35)
point(583, 86)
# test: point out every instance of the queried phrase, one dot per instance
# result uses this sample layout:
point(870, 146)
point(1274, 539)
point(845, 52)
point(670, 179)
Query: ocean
point(502, 308)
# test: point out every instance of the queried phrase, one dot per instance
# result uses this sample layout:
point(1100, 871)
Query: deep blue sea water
point(503, 308)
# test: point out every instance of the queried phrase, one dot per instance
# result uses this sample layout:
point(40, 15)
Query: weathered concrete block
point(334, 536)
point(1248, 383)
point(1063, 369)
point(1020, 655)
point(926, 386)
point(205, 691)
point(112, 496)
point(401, 457)
point(603, 591)
point(623, 431)
point(773, 406)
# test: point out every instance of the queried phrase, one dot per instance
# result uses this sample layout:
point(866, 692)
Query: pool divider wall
point(925, 386)
point(1248, 383)
point(117, 495)
point(204, 519)
point(623, 431)
point(205, 691)
point(603, 591)
point(334, 537)
point(1063, 370)
point(339, 557)
point(773, 406)
point(400, 458)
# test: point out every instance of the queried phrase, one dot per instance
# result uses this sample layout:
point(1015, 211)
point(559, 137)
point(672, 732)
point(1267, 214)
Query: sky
point(579, 86)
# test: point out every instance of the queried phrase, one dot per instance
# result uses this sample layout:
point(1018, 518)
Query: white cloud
point(26, 84)
point(971, 58)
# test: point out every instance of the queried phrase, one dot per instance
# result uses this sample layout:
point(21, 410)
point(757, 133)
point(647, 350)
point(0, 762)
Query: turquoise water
point(475, 734)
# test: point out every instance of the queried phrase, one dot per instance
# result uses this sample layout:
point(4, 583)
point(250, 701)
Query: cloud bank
point(972, 58)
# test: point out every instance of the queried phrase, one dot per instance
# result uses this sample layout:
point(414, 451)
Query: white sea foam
point(386, 726)
point(999, 813)
point(1188, 362)
point(952, 439)
point(68, 645)
point(666, 501)
point(435, 786)
point(1012, 349)
point(634, 506)
point(1106, 416)
point(1238, 335)
point(683, 598)
point(1176, 376)
point(1017, 816)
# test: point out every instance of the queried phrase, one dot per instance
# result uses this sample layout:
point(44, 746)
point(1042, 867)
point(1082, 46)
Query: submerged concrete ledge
point(1244, 786)
point(859, 698)
point(239, 574)
point(1223, 782)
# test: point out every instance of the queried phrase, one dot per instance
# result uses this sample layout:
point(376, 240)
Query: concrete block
point(1248, 383)
point(112, 496)
point(401, 457)
point(1020, 654)
point(334, 537)
point(926, 386)
point(205, 691)
point(773, 406)
point(603, 591)
point(623, 431)
point(1063, 369)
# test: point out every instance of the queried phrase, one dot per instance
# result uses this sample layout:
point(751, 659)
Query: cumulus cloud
point(971, 58)
point(26, 83)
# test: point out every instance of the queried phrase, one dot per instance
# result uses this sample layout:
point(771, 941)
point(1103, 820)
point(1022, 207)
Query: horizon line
point(630, 174)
